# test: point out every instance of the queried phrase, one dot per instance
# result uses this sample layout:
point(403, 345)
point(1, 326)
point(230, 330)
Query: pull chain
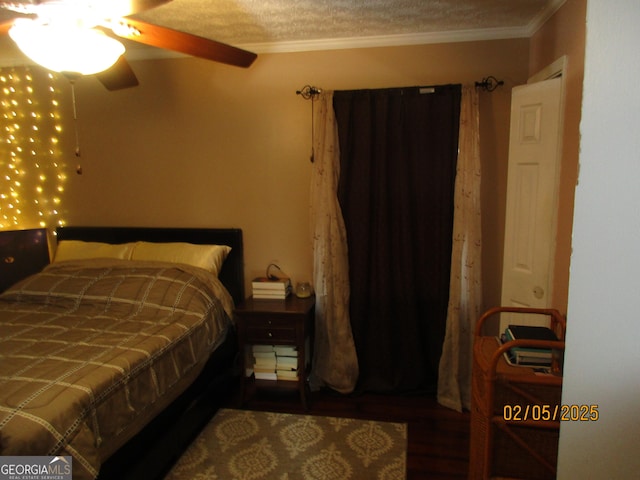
point(310, 93)
point(313, 143)
point(75, 125)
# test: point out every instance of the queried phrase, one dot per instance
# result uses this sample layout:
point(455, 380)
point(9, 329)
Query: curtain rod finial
point(489, 84)
point(308, 92)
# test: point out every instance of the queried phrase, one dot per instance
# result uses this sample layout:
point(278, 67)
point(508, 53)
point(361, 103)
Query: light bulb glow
point(66, 48)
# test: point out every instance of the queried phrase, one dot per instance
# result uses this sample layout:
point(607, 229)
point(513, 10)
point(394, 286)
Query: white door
point(532, 197)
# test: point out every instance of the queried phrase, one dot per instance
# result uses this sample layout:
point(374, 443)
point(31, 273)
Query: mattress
point(89, 349)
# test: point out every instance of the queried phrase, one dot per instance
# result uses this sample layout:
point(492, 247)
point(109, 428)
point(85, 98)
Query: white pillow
point(208, 257)
point(79, 250)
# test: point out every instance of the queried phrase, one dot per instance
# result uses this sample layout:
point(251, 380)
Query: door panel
point(532, 197)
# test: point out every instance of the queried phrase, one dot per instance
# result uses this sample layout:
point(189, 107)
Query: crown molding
point(142, 52)
point(452, 36)
point(540, 19)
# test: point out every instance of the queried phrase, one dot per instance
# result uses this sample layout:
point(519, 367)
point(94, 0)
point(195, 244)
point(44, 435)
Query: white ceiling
point(297, 25)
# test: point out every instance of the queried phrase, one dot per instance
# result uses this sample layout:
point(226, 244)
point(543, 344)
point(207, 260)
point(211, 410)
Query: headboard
point(231, 274)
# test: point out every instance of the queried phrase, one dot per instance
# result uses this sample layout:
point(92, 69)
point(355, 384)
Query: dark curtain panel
point(398, 150)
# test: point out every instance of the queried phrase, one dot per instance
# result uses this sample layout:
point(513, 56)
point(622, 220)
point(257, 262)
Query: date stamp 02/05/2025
point(561, 413)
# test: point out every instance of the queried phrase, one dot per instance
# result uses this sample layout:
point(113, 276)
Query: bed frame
point(152, 452)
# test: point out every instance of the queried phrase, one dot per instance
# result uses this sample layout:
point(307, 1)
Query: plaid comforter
point(88, 349)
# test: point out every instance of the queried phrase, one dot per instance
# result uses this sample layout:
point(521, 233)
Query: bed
point(114, 343)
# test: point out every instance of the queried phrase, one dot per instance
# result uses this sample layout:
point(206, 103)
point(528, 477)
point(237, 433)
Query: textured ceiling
point(295, 25)
point(300, 24)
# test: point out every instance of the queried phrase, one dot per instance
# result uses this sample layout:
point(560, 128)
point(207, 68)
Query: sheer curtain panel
point(465, 292)
point(335, 362)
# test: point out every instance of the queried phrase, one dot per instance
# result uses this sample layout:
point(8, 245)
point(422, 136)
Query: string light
point(31, 175)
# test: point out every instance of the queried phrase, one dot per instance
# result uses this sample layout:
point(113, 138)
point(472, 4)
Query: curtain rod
point(489, 84)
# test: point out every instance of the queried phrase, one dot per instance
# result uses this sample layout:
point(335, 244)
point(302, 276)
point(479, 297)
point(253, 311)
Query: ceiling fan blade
point(119, 76)
point(162, 37)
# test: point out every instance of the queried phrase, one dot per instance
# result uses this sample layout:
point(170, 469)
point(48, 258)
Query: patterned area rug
point(247, 445)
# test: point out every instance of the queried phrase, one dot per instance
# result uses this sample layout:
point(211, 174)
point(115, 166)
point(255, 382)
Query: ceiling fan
point(58, 24)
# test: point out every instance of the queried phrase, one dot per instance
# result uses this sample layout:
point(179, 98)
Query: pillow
point(79, 250)
point(208, 257)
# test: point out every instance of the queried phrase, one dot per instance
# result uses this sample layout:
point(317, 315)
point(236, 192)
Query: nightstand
point(277, 322)
point(22, 253)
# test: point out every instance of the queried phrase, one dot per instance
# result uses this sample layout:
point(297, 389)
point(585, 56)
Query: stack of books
point(265, 288)
point(264, 362)
point(286, 362)
point(274, 362)
point(526, 355)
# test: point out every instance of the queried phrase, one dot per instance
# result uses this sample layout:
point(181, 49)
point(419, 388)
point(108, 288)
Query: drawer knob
point(270, 334)
point(9, 259)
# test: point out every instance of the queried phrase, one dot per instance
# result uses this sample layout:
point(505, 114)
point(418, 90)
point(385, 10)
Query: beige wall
point(202, 144)
point(564, 35)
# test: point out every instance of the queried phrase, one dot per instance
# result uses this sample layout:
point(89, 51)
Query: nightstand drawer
point(265, 333)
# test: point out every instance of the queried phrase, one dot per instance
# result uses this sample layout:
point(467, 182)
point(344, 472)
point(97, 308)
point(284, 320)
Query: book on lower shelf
point(287, 363)
point(265, 375)
point(285, 350)
point(528, 356)
point(287, 375)
point(268, 355)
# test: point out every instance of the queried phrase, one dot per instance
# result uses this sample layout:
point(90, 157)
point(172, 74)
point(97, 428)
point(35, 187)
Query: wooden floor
point(438, 439)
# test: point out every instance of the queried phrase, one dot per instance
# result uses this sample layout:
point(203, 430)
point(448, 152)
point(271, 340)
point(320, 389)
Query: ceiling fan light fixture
point(66, 49)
